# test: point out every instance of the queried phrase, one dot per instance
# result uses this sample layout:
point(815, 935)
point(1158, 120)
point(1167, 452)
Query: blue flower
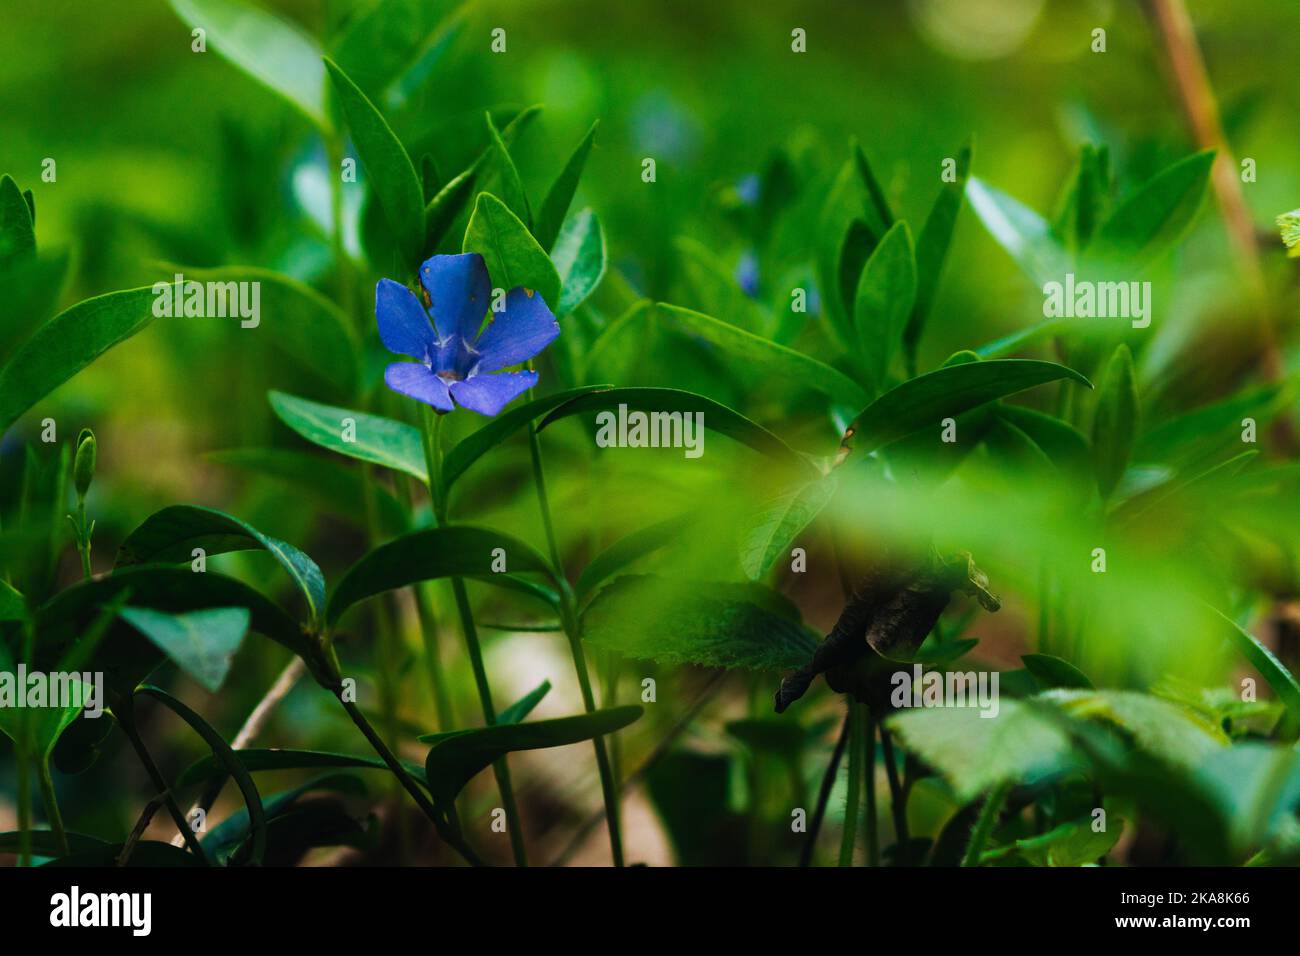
point(453, 358)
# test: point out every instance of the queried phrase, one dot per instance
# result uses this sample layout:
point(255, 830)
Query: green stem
point(850, 834)
point(984, 825)
point(897, 799)
point(127, 721)
point(869, 779)
point(52, 805)
point(569, 617)
point(432, 434)
point(824, 793)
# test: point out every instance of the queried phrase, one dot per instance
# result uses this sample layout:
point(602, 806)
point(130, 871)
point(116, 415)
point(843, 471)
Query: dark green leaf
point(932, 249)
point(883, 302)
point(201, 643)
point(17, 230)
point(623, 552)
point(772, 530)
point(513, 257)
point(556, 204)
point(1052, 672)
point(1115, 423)
point(259, 760)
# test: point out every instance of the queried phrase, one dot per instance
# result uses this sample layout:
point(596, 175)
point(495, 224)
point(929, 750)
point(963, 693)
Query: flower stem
point(51, 805)
point(984, 825)
point(850, 833)
point(569, 618)
point(432, 434)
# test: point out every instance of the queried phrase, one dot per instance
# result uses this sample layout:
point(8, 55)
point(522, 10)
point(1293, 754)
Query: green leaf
point(1115, 422)
point(13, 606)
point(502, 176)
point(66, 344)
point(628, 549)
point(1081, 206)
point(743, 348)
point(446, 205)
point(885, 294)
point(771, 531)
point(33, 286)
point(43, 843)
point(17, 230)
point(450, 551)
point(512, 255)
point(1209, 426)
point(222, 752)
point(521, 708)
point(302, 322)
point(478, 443)
point(579, 257)
point(255, 760)
point(717, 417)
point(379, 440)
point(327, 481)
point(1063, 444)
point(170, 535)
point(391, 175)
point(1019, 230)
point(878, 204)
point(454, 760)
point(1052, 672)
point(932, 249)
point(45, 724)
point(201, 643)
point(1151, 220)
point(558, 198)
point(123, 655)
point(927, 399)
point(709, 624)
point(275, 52)
point(1263, 660)
point(383, 40)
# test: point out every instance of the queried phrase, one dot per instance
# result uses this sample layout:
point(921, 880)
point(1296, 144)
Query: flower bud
point(83, 468)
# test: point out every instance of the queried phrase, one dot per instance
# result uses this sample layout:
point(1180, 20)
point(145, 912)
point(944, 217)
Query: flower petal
point(458, 288)
point(517, 334)
point(488, 394)
point(415, 380)
point(403, 326)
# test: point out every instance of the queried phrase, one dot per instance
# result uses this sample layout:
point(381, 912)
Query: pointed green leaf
point(1151, 220)
point(383, 40)
point(379, 440)
point(927, 399)
point(17, 230)
point(1019, 230)
point(66, 344)
point(391, 175)
point(885, 293)
point(170, 535)
point(932, 249)
point(502, 176)
point(623, 552)
point(1052, 672)
point(446, 552)
point(273, 51)
point(455, 759)
point(1115, 423)
point(44, 723)
point(782, 364)
point(1265, 661)
point(201, 643)
point(513, 256)
point(579, 257)
point(772, 530)
point(556, 204)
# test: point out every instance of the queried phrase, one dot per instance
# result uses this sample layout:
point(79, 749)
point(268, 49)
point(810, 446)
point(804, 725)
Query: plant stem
point(850, 833)
point(984, 825)
point(569, 617)
point(52, 805)
point(897, 799)
point(432, 434)
point(127, 721)
point(869, 779)
point(824, 795)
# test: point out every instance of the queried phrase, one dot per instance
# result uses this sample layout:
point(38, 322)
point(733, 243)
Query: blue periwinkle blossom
point(455, 361)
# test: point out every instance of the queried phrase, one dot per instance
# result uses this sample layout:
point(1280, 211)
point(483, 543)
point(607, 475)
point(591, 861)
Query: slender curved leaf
point(932, 245)
point(1152, 219)
point(744, 348)
point(392, 176)
point(256, 760)
point(1265, 661)
point(925, 400)
point(885, 293)
point(623, 552)
point(451, 551)
point(772, 530)
point(1115, 422)
point(556, 204)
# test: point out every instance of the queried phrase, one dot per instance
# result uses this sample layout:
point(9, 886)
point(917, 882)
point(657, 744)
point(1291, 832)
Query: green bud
point(83, 468)
point(1289, 223)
